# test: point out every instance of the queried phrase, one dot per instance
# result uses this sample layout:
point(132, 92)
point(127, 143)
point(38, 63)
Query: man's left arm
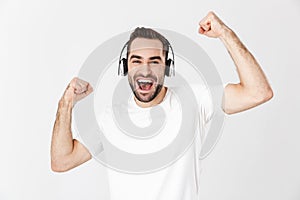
point(253, 88)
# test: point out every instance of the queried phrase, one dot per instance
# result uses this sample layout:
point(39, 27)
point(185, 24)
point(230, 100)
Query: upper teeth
point(144, 81)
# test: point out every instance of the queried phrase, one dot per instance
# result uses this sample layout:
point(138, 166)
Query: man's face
point(146, 68)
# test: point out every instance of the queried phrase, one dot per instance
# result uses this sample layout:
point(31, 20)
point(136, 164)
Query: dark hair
point(148, 33)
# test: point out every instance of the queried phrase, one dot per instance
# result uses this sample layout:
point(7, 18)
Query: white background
point(44, 43)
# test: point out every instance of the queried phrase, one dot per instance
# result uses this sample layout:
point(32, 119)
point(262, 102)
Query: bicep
point(80, 154)
point(237, 98)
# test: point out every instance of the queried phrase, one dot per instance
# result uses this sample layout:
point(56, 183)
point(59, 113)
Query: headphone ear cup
point(167, 70)
point(125, 66)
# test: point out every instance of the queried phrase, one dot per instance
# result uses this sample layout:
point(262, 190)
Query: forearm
point(62, 141)
point(252, 77)
point(66, 152)
point(253, 88)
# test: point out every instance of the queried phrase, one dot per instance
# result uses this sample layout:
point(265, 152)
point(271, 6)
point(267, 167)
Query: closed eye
point(136, 61)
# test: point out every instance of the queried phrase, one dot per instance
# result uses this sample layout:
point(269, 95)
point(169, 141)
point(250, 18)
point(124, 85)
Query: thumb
point(89, 90)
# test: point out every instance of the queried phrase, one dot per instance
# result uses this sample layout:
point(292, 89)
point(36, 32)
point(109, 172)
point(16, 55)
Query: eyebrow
point(140, 57)
point(135, 56)
point(155, 58)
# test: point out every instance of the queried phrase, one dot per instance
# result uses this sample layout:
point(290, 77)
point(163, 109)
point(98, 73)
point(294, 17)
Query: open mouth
point(145, 84)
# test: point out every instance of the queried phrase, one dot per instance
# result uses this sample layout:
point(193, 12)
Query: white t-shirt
point(179, 181)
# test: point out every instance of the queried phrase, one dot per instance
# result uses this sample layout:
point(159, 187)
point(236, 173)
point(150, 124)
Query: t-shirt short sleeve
point(206, 109)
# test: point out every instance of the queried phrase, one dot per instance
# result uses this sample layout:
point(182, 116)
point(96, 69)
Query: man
point(179, 181)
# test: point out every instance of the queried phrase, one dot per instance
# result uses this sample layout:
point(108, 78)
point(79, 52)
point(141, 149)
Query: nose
point(146, 69)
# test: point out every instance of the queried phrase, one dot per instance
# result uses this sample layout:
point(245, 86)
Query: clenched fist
point(76, 90)
point(212, 26)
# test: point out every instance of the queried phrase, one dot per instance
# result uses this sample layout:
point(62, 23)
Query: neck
point(157, 100)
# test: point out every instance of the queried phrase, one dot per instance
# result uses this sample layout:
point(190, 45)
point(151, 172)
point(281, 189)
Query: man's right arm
point(66, 152)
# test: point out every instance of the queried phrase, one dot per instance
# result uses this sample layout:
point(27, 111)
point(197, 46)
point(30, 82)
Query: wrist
point(65, 103)
point(226, 33)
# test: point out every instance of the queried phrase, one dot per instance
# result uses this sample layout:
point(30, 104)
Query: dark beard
point(157, 90)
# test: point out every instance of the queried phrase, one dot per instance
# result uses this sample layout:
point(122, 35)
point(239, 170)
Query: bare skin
point(66, 152)
point(139, 55)
point(252, 90)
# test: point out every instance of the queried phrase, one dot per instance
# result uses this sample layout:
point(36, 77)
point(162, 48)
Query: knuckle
point(74, 79)
point(211, 13)
point(73, 82)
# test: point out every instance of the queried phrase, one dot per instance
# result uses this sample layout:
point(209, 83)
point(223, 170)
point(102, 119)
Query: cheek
point(129, 67)
point(132, 69)
point(160, 71)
